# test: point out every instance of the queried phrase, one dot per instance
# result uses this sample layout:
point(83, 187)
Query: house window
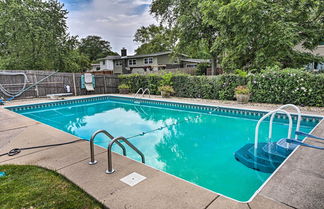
point(132, 62)
point(191, 65)
point(118, 63)
point(148, 60)
point(104, 62)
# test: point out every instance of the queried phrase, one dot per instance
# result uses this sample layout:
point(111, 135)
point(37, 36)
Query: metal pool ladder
point(110, 170)
point(143, 92)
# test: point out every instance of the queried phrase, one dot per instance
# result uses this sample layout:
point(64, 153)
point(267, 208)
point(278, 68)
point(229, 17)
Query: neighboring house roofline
point(110, 58)
point(196, 60)
point(138, 56)
point(149, 55)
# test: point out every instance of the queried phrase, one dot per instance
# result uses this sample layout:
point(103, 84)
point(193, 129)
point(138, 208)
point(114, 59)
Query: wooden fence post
point(36, 87)
point(74, 85)
point(105, 90)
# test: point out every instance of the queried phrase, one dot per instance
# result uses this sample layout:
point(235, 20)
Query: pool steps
point(266, 157)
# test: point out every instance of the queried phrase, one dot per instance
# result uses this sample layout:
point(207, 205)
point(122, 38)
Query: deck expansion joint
point(248, 205)
point(288, 205)
point(212, 201)
point(20, 127)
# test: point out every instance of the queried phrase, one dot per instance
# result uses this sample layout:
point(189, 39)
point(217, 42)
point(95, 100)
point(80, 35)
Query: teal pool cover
point(194, 142)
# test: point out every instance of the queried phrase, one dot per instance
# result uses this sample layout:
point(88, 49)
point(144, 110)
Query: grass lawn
point(27, 186)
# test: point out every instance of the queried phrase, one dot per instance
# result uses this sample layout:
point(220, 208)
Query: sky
point(114, 20)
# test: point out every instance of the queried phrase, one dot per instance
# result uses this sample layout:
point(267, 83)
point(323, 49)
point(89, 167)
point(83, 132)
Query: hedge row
point(282, 87)
point(288, 86)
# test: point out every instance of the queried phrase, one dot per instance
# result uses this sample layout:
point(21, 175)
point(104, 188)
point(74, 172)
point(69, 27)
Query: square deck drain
point(133, 179)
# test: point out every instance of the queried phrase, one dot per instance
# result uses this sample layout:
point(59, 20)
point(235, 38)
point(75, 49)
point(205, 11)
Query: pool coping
point(162, 101)
point(181, 103)
point(257, 192)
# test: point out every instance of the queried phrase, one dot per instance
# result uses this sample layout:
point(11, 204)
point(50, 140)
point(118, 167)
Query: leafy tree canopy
point(184, 17)
point(246, 34)
point(95, 47)
point(153, 39)
point(33, 36)
point(260, 33)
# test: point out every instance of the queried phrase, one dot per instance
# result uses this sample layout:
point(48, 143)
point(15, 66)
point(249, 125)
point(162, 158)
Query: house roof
point(196, 60)
point(149, 55)
point(138, 56)
point(110, 58)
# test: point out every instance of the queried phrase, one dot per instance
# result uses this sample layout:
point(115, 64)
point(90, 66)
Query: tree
point(153, 39)
point(95, 47)
point(261, 33)
point(185, 19)
point(246, 34)
point(33, 36)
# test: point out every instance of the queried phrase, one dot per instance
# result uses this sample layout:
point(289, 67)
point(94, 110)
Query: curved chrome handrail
point(92, 158)
point(256, 137)
point(271, 121)
point(138, 91)
point(146, 91)
point(298, 119)
point(143, 92)
point(110, 170)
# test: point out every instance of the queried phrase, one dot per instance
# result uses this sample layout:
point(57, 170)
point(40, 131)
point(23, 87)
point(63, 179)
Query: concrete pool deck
point(299, 183)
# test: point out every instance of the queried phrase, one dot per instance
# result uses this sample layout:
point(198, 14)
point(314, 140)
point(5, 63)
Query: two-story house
point(126, 64)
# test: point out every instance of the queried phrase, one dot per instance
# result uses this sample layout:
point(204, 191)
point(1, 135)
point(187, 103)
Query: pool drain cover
point(133, 179)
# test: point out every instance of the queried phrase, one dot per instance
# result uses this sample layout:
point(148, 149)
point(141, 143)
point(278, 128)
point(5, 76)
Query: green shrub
point(153, 82)
point(166, 79)
point(123, 86)
point(288, 86)
point(241, 73)
point(227, 84)
point(242, 90)
point(137, 81)
point(167, 89)
point(272, 86)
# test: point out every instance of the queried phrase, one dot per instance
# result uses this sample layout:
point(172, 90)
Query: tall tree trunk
point(213, 65)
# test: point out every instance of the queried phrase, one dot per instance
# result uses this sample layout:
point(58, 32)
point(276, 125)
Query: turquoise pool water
point(197, 146)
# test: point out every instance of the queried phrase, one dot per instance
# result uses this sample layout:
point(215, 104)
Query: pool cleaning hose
point(10, 93)
point(13, 95)
point(162, 127)
point(16, 151)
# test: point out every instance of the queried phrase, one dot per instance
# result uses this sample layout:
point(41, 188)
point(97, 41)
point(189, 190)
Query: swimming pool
point(193, 142)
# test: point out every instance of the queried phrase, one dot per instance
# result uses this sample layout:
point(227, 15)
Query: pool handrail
point(92, 158)
point(298, 119)
point(138, 91)
point(143, 92)
point(146, 90)
point(256, 137)
point(110, 170)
